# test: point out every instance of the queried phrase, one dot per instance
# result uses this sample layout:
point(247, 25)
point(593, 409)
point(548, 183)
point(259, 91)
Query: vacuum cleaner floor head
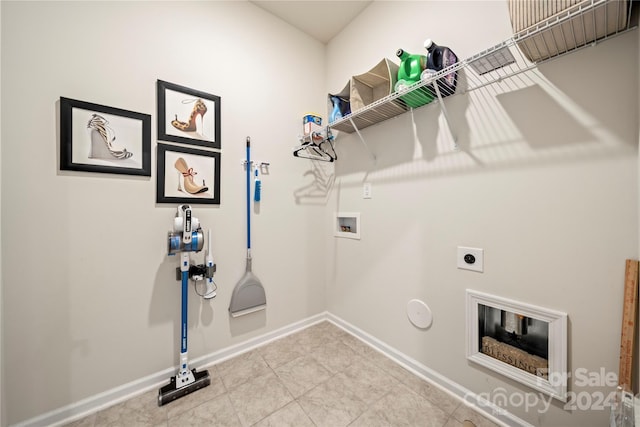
point(169, 393)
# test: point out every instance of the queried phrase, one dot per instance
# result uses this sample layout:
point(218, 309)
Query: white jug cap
point(428, 43)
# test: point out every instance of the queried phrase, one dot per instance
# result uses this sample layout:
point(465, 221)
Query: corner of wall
point(2, 412)
point(637, 375)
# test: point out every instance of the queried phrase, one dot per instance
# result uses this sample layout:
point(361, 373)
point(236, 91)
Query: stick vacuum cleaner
point(185, 238)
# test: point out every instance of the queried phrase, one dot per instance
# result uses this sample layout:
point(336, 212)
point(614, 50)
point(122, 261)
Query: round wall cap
point(419, 313)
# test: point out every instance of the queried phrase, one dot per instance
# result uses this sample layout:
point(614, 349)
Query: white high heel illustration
point(102, 137)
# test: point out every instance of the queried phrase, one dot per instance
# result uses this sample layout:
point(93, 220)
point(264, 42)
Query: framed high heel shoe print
point(97, 138)
point(187, 175)
point(188, 116)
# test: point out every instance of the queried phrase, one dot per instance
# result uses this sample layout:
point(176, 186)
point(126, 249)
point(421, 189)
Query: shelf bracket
point(446, 116)
point(373, 156)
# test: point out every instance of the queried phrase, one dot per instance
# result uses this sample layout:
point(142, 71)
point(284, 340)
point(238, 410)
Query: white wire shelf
point(582, 25)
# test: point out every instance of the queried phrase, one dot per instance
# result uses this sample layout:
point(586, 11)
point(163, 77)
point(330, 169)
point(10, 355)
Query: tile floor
point(320, 376)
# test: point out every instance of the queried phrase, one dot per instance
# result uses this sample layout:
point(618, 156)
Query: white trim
point(556, 384)
point(88, 406)
point(487, 408)
point(85, 407)
point(250, 344)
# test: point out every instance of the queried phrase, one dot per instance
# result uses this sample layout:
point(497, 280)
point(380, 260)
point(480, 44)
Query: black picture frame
point(178, 105)
point(98, 138)
point(177, 169)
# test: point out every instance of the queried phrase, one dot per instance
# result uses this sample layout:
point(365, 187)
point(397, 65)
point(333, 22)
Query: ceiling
point(322, 20)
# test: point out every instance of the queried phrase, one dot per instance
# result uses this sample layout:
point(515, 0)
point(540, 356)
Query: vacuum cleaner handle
point(248, 193)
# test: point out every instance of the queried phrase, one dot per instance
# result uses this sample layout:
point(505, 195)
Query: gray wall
point(545, 181)
point(554, 204)
point(90, 297)
point(2, 404)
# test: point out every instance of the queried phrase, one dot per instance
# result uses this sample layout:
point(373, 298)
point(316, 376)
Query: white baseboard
point(488, 409)
point(85, 407)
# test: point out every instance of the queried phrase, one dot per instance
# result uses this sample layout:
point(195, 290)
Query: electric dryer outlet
point(471, 259)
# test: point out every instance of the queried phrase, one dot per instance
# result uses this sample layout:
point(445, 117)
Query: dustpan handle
point(248, 194)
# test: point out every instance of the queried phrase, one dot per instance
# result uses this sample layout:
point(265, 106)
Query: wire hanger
point(316, 147)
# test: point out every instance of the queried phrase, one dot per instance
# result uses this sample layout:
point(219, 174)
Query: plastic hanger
point(316, 147)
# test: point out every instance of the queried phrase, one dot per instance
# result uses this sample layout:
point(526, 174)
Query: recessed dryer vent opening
point(347, 224)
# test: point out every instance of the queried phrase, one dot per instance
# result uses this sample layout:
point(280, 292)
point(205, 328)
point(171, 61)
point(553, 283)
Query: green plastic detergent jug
point(411, 67)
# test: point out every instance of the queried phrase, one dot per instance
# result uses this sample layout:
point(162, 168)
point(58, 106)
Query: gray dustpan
point(248, 295)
